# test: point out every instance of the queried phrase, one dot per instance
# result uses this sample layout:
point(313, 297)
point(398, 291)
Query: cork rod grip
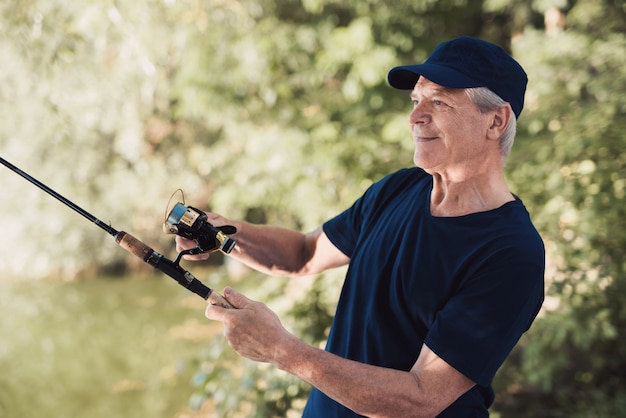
point(133, 245)
point(219, 300)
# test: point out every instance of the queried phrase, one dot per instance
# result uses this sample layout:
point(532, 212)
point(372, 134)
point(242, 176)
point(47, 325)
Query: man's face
point(449, 131)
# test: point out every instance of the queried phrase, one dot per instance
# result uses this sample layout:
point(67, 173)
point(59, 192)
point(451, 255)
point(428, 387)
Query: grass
point(99, 348)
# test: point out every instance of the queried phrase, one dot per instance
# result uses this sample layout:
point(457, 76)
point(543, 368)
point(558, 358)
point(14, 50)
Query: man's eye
point(415, 102)
point(437, 102)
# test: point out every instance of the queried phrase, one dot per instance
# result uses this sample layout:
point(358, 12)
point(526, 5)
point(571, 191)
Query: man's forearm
point(368, 390)
point(269, 249)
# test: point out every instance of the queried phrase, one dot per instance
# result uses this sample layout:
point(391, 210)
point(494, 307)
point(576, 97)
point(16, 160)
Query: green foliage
point(239, 388)
point(572, 146)
point(278, 111)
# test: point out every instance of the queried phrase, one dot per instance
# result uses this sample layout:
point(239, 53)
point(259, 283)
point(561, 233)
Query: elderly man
point(427, 315)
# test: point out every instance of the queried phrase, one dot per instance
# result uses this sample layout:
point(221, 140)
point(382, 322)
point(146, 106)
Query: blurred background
point(278, 111)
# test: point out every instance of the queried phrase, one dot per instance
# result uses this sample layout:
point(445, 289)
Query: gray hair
point(487, 100)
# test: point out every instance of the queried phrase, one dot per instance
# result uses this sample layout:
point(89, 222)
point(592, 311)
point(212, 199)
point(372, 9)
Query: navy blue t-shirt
point(468, 287)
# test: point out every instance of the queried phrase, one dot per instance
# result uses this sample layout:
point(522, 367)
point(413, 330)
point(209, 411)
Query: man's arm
point(277, 251)
point(428, 388)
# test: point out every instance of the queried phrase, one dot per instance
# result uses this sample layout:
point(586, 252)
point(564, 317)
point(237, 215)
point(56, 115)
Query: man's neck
point(466, 195)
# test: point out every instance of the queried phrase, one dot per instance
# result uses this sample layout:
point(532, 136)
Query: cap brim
point(405, 77)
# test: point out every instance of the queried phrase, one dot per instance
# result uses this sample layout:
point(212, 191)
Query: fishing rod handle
point(133, 245)
point(175, 271)
point(219, 300)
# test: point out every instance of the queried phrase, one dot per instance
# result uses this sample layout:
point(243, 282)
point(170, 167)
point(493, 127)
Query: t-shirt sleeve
point(343, 230)
point(479, 326)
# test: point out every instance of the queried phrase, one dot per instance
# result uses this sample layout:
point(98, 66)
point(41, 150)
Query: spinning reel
point(191, 223)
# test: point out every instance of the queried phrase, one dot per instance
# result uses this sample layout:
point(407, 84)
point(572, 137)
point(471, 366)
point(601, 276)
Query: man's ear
point(501, 118)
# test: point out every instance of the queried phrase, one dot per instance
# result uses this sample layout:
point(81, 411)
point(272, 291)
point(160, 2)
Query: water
point(99, 348)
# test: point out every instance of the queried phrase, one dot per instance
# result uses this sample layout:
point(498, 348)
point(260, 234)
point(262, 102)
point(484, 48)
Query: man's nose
point(419, 114)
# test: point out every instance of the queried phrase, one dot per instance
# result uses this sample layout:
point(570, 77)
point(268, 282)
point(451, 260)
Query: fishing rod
point(186, 221)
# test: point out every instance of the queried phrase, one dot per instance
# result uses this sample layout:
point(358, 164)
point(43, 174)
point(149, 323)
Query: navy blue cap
point(467, 62)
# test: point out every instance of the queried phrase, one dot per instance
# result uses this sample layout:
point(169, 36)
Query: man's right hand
point(187, 244)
